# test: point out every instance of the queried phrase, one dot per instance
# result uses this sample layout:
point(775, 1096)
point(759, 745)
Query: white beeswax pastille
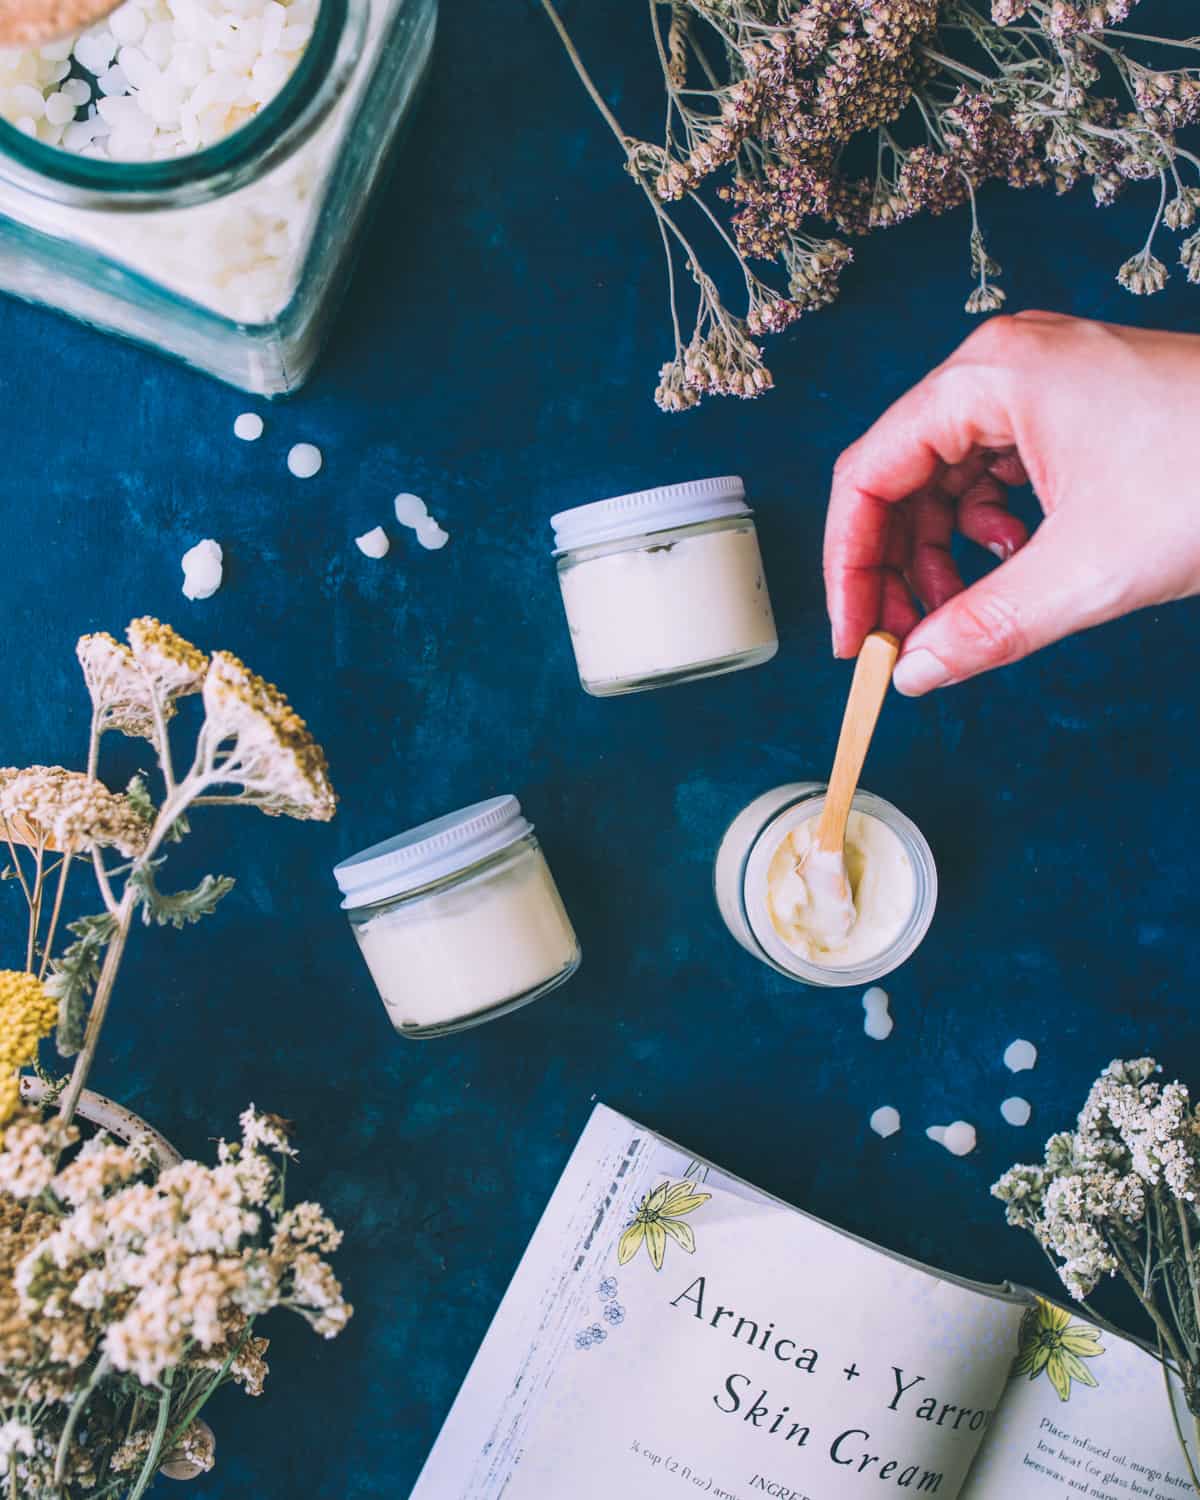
point(373, 543)
point(1017, 1111)
point(203, 569)
point(959, 1138)
point(304, 460)
point(410, 510)
point(1020, 1056)
point(878, 1023)
point(430, 535)
point(664, 586)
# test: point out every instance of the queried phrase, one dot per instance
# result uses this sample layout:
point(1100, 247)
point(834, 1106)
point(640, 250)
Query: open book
point(673, 1332)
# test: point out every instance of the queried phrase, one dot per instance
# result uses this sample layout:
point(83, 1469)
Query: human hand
point(1103, 421)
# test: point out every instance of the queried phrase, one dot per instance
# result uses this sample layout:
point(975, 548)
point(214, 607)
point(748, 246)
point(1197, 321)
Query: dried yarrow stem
point(251, 749)
point(766, 96)
point(1120, 1197)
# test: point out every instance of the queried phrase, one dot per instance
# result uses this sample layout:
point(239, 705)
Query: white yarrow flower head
point(101, 1165)
point(128, 683)
point(262, 745)
point(265, 1132)
point(173, 665)
point(68, 811)
point(117, 686)
point(16, 1438)
point(1137, 1141)
point(316, 1295)
point(162, 1269)
point(306, 1227)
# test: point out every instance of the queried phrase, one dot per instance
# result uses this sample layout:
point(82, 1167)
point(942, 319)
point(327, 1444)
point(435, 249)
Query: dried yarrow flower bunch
point(130, 1280)
point(129, 1290)
point(853, 115)
point(1117, 1198)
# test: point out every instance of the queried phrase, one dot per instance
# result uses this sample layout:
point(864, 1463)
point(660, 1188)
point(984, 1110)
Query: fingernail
point(919, 672)
point(1002, 550)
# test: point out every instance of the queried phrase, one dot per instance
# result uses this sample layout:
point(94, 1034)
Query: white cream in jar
point(664, 586)
point(882, 885)
point(459, 920)
point(766, 904)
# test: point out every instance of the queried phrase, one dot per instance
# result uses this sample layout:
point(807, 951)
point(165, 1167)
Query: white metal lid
point(648, 511)
point(431, 852)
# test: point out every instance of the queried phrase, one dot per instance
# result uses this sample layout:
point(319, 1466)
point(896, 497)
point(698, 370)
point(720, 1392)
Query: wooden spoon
point(824, 866)
point(31, 23)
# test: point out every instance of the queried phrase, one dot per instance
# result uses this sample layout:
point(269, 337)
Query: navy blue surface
point(497, 357)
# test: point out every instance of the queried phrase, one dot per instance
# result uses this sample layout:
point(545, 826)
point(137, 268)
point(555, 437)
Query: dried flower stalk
point(130, 1280)
point(252, 749)
point(1117, 1197)
point(130, 1286)
point(767, 98)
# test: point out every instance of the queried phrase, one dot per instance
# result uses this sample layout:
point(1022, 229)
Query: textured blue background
point(497, 355)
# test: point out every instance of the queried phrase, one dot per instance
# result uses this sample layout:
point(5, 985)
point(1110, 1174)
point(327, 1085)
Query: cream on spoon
point(829, 911)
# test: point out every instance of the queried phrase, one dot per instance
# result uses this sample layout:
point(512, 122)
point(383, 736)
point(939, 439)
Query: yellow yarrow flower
point(10, 1099)
point(27, 1014)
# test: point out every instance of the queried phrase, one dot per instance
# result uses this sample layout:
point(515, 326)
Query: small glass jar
point(233, 257)
point(743, 873)
point(664, 586)
point(459, 920)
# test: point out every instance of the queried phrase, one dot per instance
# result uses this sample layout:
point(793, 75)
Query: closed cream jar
point(459, 920)
point(664, 586)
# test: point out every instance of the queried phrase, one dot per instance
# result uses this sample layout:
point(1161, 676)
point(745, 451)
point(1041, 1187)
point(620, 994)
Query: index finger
point(949, 415)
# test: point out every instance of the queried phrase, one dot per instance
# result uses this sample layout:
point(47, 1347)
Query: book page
point(667, 1335)
point(1056, 1434)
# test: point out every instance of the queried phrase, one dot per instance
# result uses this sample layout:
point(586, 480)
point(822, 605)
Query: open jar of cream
point(664, 586)
point(459, 920)
point(762, 896)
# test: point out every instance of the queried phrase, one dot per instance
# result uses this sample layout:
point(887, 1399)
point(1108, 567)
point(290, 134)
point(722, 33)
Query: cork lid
point(30, 23)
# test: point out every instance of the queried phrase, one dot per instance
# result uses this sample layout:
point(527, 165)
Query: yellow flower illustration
point(1049, 1341)
point(657, 1217)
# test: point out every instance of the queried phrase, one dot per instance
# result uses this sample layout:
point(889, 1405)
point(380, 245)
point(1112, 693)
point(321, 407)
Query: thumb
point(1048, 590)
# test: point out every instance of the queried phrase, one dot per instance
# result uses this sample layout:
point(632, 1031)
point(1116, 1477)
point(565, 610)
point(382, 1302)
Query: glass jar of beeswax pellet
point(194, 175)
point(664, 586)
point(459, 920)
